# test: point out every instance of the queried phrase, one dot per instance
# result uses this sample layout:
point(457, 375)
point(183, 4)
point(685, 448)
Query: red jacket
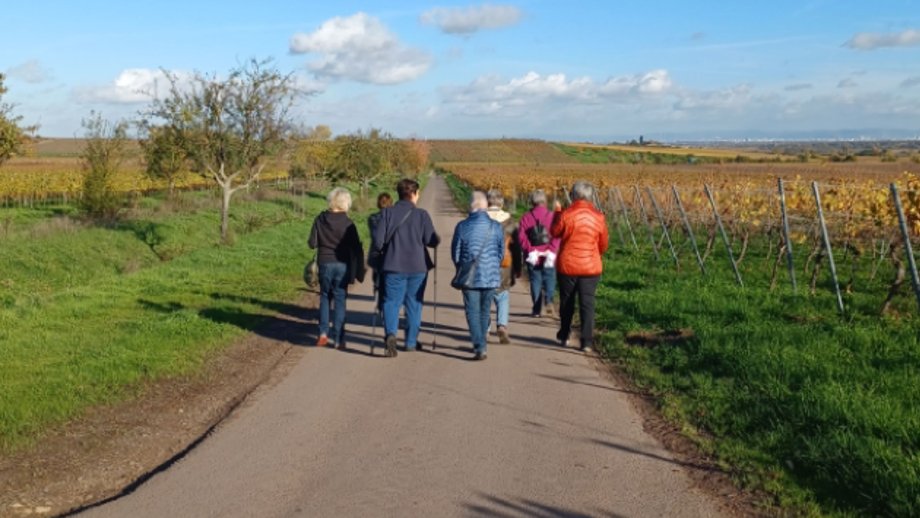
point(583, 230)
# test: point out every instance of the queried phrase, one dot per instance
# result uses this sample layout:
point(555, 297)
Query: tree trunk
point(226, 192)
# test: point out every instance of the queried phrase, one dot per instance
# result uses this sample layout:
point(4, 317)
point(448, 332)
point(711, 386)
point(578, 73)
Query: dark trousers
point(584, 288)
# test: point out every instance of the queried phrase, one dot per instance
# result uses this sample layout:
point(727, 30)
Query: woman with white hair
point(340, 256)
point(477, 250)
point(582, 231)
point(541, 250)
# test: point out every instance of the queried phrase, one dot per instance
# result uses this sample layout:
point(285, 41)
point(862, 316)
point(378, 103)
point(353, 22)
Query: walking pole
point(434, 327)
point(374, 318)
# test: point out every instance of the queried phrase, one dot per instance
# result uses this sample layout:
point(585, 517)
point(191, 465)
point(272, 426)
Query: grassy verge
point(80, 328)
point(822, 411)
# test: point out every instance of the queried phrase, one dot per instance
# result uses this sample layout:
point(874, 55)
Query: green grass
point(819, 409)
point(80, 328)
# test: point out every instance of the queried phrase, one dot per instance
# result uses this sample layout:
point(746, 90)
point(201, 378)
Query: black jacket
point(335, 238)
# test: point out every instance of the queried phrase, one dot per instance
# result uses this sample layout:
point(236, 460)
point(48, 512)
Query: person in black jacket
point(340, 256)
point(402, 238)
point(384, 200)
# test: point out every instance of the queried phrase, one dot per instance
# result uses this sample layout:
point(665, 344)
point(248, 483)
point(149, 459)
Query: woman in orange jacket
point(582, 230)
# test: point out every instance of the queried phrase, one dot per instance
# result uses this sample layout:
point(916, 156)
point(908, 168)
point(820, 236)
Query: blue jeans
point(478, 306)
point(333, 289)
point(502, 307)
point(404, 289)
point(542, 281)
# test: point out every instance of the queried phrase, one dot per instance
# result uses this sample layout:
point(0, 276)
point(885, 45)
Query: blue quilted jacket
point(469, 238)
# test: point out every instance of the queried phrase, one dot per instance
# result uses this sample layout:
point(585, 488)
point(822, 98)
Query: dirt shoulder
point(111, 450)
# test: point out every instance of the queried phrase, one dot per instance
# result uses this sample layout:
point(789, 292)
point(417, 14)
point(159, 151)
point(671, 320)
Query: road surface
point(535, 430)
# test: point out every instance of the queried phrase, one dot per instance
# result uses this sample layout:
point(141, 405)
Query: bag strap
point(387, 241)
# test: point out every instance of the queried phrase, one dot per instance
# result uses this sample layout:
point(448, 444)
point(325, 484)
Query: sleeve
point(380, 230)
point(604, 241)
point(526, 223)
point(455, 245)
point(313, 240)
point(499, 236)
point(557, 229)
point(431, 238)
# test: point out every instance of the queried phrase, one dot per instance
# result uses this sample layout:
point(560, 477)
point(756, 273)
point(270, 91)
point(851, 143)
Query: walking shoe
point(550, 310)
point(322, 341)
point(390, 346)
point(563, 340)
point(585, 348)
point(503, 335)
point(341, 345)
point(480, 356)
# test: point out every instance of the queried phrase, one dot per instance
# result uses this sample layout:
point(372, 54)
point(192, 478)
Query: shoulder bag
point(467, 271)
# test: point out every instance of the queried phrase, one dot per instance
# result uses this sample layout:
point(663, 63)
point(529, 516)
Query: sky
point(576, 70)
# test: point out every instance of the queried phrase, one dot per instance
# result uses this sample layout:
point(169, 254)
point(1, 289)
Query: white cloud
point(491, 94)
point(30, 72)
point(361, 48)
point(132, 86)
point(847, 83)
point(467, 20)
point(872, 41)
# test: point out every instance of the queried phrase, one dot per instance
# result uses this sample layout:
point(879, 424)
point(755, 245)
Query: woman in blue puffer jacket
point(479, 239)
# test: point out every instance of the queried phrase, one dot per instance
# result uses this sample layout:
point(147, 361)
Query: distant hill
point(497, 151)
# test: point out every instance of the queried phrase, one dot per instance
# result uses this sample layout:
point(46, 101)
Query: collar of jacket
point(404, 203)
point(577, 204)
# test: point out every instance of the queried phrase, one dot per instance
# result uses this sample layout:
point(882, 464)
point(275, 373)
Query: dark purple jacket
point(528, 220)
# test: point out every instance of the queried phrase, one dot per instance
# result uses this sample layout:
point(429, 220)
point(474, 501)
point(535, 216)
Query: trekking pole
point(434, 327)
point(374, 318)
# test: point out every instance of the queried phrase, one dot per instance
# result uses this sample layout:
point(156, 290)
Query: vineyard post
point(827, 246)
point(789, 258)
point(728, 246)
point(689, 228)
point(648, 226)
point(619, 199)
point(612, 215)
point(664, 226)
point(905, 233)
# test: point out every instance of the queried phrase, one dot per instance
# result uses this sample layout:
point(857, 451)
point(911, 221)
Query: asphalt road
point(535, 430)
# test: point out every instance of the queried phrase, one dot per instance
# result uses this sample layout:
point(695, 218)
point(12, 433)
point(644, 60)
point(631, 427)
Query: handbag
point(375, 257)
point(465, 273)
point(311, 273)
point(537, 234)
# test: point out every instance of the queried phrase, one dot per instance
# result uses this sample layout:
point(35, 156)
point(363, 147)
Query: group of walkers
point(489, 251)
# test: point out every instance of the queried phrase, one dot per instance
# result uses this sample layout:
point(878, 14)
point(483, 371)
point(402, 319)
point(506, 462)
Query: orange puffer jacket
point(583, 231)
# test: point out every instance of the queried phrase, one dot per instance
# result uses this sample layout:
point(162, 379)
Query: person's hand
point(557, 205)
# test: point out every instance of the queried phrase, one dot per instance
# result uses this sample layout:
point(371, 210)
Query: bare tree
point(228, 127)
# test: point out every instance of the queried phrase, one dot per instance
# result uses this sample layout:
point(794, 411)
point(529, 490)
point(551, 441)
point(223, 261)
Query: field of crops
point(665, 211)
point(35, 180)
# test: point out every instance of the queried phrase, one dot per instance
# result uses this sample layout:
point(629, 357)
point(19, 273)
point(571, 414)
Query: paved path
point(535, 430)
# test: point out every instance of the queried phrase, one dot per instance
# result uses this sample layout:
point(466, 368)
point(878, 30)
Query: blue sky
point(583, 70)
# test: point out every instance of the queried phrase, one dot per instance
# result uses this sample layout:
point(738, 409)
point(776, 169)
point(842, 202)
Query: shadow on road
point(492, 505)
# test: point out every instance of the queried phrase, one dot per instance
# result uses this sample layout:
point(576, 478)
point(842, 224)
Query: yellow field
point(38, 179)
point(855, 196)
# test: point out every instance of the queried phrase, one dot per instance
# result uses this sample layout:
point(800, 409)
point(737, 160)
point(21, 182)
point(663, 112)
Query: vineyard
point(690, 216)
point(33, 181)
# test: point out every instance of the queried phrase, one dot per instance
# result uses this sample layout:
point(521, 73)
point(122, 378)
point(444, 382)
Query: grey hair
point(478, 201)
point(495, 198)
point(582, 190)
point(538, 197)
point(339, 199)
